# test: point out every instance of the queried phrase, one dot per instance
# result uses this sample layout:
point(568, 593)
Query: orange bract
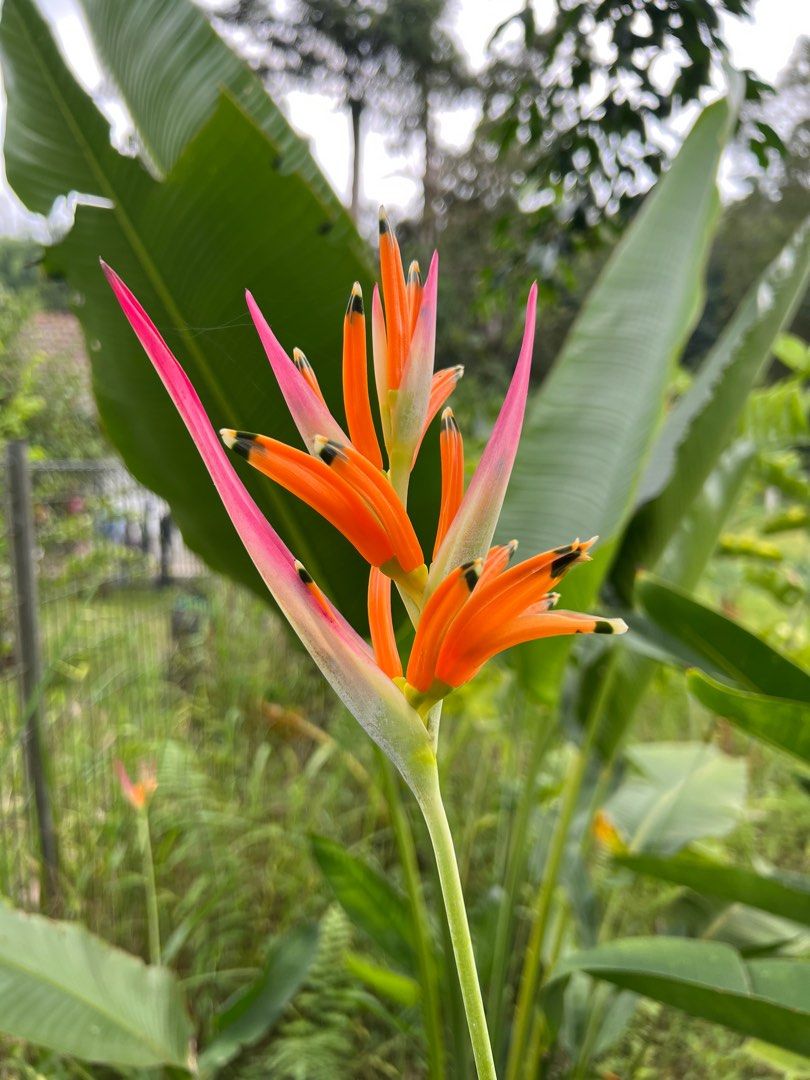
point(497, 560)
point(505, 595)
point(381, 624)
point(442, 386)
point(397, 320)
point(414, 294)
point(463, 658)
point(355, 380)
point(361, 476)
point(437, 616)
point(451, 447)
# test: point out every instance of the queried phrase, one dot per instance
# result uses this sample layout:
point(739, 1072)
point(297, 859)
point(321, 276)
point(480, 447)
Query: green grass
point(240, 793)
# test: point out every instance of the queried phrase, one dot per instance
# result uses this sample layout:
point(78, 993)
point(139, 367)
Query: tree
point(389, 57)
point(758, 225)
point(45, 393)
point(330, 45)
point(431, 71)
point(586, 97)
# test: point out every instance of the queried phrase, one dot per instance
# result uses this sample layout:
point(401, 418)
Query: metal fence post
point(29, 648)
point(166, 529)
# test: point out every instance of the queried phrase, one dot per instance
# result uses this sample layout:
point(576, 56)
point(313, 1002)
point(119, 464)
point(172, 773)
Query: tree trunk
point(429, 177)
point(356, 108)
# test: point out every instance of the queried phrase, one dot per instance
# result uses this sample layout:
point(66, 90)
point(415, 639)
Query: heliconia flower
point(342, 655)
point(138, 792)
point(606, 834)
point(451, 449)
point(381, 624)
point(471, 604)
point(355, 380)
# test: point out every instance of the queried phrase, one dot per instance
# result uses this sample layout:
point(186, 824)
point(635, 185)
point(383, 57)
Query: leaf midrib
point(93, 1006)
point(749, 994)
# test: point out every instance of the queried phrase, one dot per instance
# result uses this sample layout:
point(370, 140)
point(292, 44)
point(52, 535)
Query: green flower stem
point(532, 962)
point(442, 840)
point(150, 887)
point(400, 471)
point(430, 801)
point(427, 966)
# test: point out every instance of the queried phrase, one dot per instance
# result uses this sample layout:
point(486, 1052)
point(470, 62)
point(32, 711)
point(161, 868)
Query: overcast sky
point(763, 44)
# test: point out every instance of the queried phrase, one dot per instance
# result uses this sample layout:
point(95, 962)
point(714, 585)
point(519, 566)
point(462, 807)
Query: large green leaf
point(232, 212)
point(63, 988)
point(780, 722)
point(787, 896)
point(778, 417)
point(170, 67)
point(767, 999)
point(677, 793)
point(250, 1015)
point(589, 428)
point(793, 353)
point(682, 563)
point(741, 655)
point(691, 545)
point(369, 900)
point(705, 418)
point(390, 984)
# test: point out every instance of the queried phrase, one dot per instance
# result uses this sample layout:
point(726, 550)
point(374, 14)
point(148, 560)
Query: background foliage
point(639, 813)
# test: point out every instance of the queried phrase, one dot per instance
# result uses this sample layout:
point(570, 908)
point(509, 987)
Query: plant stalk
point(516, 864)
point(150, 888)
point(532, 962)
point(444, 851)
point(427, 967)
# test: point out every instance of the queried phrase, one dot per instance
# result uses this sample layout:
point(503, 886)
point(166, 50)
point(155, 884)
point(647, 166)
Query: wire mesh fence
point(113, 591)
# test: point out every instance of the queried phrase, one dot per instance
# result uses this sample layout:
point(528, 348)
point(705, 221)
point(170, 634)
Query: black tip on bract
point(448, 422)
point(242, 442)
point(303, 573)
point(329, 451)
point(355, 305)
point(384, 225)
point(562, 562)
point(471, 571)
